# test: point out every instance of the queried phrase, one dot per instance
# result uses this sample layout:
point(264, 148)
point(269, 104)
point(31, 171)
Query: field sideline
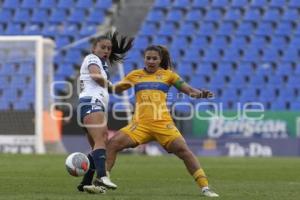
point(32, 177)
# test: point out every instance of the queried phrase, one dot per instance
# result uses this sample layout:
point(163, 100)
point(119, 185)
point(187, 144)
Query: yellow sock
point(200, 178)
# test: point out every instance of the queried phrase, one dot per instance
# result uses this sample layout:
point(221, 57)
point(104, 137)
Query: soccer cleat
point(92, 189)
point(80, 187)
point(106, 182)
point(209, 193)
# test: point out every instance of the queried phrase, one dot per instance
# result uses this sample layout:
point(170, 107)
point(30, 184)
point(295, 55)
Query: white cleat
point(209, 193)
point(92, 189)
point(106, 182)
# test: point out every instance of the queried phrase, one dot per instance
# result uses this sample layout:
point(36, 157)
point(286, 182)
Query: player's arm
point(120, 87)
point(192, 92)
point(95, 74)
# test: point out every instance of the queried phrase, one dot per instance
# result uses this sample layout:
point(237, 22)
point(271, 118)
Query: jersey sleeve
point(176, 80)
point(93, 60)
point(129, 78)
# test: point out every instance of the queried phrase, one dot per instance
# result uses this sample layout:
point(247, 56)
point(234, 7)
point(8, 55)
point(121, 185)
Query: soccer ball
point(77, 164)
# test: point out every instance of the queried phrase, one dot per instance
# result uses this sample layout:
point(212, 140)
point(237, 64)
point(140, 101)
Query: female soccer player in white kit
point(93, 105)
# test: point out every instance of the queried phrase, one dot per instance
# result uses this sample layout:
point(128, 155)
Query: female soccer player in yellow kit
point(152, 120)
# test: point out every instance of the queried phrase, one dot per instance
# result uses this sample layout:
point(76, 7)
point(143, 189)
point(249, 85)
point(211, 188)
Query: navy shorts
point(89, 105)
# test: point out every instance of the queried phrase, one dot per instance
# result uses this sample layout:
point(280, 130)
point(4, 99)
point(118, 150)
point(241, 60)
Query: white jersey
point(89, 88)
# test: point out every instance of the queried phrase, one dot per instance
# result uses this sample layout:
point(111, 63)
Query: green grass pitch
point(32, 177)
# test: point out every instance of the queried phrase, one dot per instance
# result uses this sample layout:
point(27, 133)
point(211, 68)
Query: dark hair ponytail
point(120, 45)
point(164, 55)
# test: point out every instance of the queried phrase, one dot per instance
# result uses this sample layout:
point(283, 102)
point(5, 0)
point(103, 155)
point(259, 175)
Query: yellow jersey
point(151, 91)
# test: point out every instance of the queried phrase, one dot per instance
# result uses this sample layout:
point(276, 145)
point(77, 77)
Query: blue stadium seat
point(141, 42)
point(276, 80)
point(21, 105)
point(208, 29)
point(259, 41)
point(237, 79)
point(26, 68)
point(187, 29)
point(181, 4)
point(6, 15)
point(14, 29)
point(294, 4)
point(204, 68)
point(239, 3)
point(62, 41)
point(40, 16)
point(162, 4)
point(4, 105)
point(252, 15)
point(233, 14)
point(185, 69)
point(155, 16)
point(22, 16)
point(65, 69)
point(174, 15)
point(290, 14)
point(271, 15)
point(198, 82)
point(239, 41)
point(192, 56)
point(12, 4)
point(258, 80)
point(48, 4)
point(291, 54)
point(105, 5)
point(201, 4)
point(295, 42)
point(88, 30)
point(279, 105)
point(284, 28)
point(95, 17)
point(70, 30)
point(212, 54)
point(10, 94)
point(231, 54)
point(249, 93)
point(270, 55)
point(226, 28)
point(176, 53)
point(66, 3)
point(258, 3)
point(285, 68)
point(73, 56)
point(148, 28)
point(33, 29)
point(265, 29)
point(199, 42)
point(268, 92)
point(287, 93)
point(279, 42)
point(77, 16)
point(29, 4)
point(213, 15)
point(297, 70)
point(245, 28)
point(220, 3)
point(167, 29)
point(50, 30)
point(161, 40)
point(217, 80)
point(58, 15)
point(180, 42)
point(219, 42)
point(293, 80)
point(277, 3)
point(19, 82)
point(194, 15)
point(251, 54)
point(295, 106)
point(84, 4)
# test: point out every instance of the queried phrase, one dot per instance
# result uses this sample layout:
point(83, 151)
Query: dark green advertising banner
point(267, 124)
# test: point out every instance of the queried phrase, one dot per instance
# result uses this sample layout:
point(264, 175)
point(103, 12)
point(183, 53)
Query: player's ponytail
point(163, 54)
point(165, 57)
point(120, 45)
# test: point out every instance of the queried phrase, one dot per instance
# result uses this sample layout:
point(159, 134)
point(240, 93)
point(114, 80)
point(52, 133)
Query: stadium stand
point(215, 43)
point(65, 21)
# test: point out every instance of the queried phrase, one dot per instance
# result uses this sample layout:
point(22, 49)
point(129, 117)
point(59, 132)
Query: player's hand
point(206, 94)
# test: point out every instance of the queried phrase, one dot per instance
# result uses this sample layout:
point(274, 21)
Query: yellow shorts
point(164, 133)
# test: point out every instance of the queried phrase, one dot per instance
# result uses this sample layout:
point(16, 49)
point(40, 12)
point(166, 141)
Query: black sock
point(99, 156)
point(88, 177)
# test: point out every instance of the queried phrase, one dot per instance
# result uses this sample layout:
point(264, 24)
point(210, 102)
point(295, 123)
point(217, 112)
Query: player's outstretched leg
point(88, 177)
point(181, 150)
